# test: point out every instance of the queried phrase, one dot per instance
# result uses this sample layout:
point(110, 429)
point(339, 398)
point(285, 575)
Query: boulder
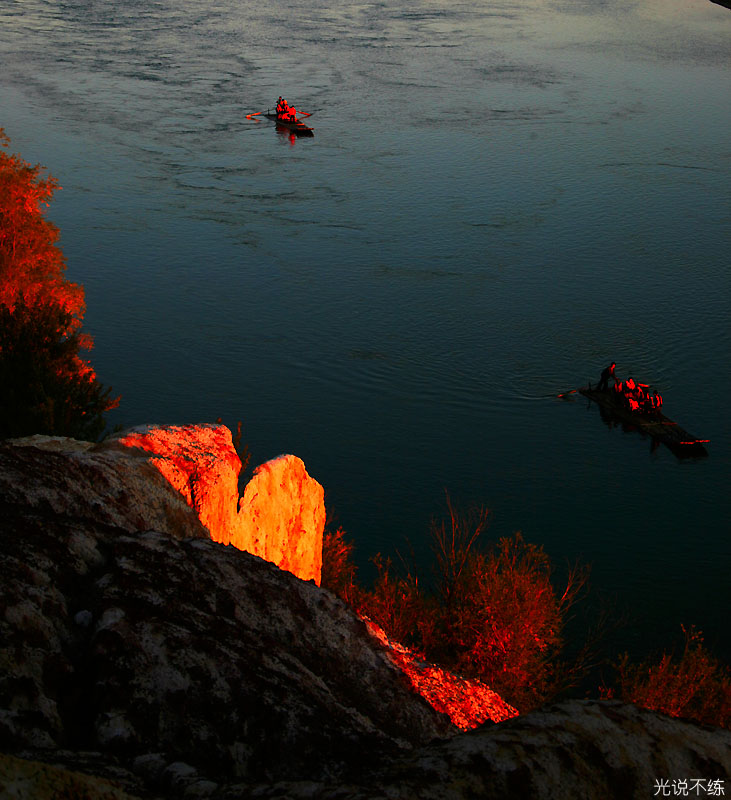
point(182, 479)
point(575, 750)
point(281, 516)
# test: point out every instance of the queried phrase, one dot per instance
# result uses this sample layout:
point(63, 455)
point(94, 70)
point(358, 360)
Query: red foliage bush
point(32, 266)
point(338, 568)
point(694, 685)
point(492, 615)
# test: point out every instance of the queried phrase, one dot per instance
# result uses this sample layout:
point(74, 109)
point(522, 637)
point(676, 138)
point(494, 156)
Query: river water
point(499, 199)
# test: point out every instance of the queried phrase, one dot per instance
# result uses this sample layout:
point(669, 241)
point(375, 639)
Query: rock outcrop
point(147, 660)
point(140, 644)
point(69, 479)
point(281, 516)
point(287, 533)
point(199, 462)
point(576, 750)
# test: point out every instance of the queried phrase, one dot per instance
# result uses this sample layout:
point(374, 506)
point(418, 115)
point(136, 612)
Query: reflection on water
point(499, 200)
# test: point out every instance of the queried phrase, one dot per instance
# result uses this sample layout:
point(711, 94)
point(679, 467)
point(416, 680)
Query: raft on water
point(655, 424)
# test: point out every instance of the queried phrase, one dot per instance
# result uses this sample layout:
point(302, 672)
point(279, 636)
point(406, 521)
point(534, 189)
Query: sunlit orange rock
point(468, 703)
point(281, 497)
point(201, 463)
point(281, 515)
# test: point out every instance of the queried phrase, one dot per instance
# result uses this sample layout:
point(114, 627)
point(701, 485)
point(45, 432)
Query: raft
point(657, 425)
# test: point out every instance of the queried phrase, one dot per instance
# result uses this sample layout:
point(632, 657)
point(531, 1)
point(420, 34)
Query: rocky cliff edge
point(140, 658)
point(183, 479)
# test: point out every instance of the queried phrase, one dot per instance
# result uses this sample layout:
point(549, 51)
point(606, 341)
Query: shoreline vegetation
point(493, 611)
point(490, 611)
point(45, 384)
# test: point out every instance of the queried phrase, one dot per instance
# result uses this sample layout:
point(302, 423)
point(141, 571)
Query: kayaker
point(291, 113)
point(607, 373)
point(282, 108)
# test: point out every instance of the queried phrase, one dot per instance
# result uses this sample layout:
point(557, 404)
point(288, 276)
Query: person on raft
point(607, 373)
point(636, 397)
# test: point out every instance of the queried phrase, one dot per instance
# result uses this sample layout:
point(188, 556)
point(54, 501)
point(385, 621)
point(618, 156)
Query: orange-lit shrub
point(694, 685)
point(338, 568)
point(505, 621)
point(501, 619)
point(492, 614)
point(400, 607)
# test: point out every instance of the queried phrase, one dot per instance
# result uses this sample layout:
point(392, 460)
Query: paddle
point(566, 394)
point(257, 114)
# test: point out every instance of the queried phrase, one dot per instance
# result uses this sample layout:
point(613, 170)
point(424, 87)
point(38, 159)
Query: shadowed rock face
point(577, 750)
point(138, 644)
point(71, 479)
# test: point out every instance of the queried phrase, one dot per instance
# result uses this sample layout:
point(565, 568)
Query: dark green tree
point(44, 386)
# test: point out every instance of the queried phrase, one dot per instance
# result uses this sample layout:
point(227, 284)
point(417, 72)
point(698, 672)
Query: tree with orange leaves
point(32, 266)
point(45, 386)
